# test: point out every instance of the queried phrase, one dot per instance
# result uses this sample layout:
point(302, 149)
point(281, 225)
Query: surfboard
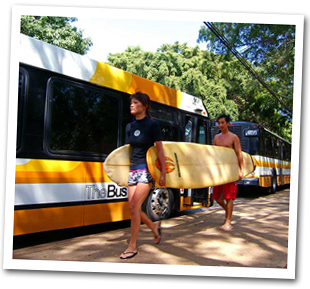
point(191, 165)
point(117, 163)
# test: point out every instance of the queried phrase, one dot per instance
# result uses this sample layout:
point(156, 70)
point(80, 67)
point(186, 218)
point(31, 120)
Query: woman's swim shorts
point(139, 173)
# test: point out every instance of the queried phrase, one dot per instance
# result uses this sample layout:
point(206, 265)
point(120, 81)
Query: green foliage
point(256, 42)
point(219, 80)
point(57, 31)
point(271, 51)
point(190, 70)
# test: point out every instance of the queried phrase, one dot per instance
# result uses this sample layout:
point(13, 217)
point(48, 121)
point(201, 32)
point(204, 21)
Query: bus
point(272, 154)
point(72, 112)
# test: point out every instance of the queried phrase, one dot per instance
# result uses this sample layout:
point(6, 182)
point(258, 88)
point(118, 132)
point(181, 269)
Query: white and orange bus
point(72, 112)
point(272, 154)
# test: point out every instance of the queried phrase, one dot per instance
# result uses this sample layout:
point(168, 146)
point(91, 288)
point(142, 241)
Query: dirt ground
point(259, 238)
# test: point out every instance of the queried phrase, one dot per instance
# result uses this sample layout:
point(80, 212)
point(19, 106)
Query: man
point(227, 192)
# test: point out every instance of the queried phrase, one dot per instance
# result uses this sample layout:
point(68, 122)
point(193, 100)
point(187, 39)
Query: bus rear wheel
point(159, 204)
point(273, 188)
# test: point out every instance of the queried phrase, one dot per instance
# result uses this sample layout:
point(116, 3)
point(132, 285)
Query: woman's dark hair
point(144, 99)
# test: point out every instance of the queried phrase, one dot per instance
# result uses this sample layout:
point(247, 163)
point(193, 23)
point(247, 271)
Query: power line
point(241, 59)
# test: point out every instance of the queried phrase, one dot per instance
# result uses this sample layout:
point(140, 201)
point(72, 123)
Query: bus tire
point(273, 188)
point(159, 204)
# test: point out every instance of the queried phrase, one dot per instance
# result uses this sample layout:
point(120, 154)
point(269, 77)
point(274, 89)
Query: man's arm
point(237, 147)
point(215, 140)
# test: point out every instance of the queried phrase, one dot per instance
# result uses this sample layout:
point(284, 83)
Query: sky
point(115, 35)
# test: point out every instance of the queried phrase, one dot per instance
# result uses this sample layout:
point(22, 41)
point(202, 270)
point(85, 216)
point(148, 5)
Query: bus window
point(277, 149)
point(286, 152)
point(82, 119)
point(168, 120)
point(188, 131)
point(169, 133)
point(164, 114)
point(202, 134)
point(21, 101)
point(261, 145)
point(268, 146)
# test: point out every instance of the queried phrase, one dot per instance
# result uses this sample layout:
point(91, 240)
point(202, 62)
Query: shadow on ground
point(259, 238)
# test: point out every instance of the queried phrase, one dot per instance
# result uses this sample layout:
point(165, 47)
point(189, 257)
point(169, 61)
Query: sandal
point(132, 254)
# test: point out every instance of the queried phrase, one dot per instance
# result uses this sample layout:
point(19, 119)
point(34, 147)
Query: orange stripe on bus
point(124, 81)
point(272, 164)
point(40, 220)
point(51, 171)
point(103, 213)
point(83, 172)
point(35, 220)
point(112, 77)
point(157, 92)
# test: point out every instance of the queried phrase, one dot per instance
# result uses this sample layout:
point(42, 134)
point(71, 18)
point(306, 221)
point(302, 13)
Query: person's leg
point(152, 225)
point(229, 209)
point(136, 196)
point(229, 195)
point(221, 203)
point(218, 196)
point(146, 220)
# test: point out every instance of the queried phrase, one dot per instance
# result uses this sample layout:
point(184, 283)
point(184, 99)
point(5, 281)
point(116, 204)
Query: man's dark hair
point(227, 118)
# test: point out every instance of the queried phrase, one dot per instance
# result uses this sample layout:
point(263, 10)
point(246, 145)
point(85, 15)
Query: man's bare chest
point(225, 142)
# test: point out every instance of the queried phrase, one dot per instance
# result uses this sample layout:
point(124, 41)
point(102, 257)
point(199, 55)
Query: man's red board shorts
point(225, 192)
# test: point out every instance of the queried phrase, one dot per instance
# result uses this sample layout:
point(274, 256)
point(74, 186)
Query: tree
point(219, 80)
point(270, 50)
point(57, 31)
point(199, 73)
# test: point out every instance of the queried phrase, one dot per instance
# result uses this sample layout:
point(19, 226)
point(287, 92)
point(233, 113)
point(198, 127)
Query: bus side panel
point(52, 194)
point(47, 219)
point(264, 168)
point(108, 212)
point(100, 188)
point(286, 180)
point(265, 181)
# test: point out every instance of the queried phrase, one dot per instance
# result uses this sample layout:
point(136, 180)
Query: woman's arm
point(161, 157)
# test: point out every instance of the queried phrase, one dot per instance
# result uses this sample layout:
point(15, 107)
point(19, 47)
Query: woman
point(141, 134)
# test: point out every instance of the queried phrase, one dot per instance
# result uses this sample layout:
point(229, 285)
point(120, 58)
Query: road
point(259, 239)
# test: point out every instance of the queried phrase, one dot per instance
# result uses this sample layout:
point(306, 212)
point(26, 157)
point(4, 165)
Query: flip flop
point(159, 232)
point(130, 256)
point(226, 228)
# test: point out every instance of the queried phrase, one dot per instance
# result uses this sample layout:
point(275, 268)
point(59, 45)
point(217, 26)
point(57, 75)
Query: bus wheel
point(159, 204)
point(273, 182)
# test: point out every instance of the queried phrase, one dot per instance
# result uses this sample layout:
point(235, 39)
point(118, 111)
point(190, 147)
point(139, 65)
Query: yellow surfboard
point(191, 165)
point(188, 165)
point(117, 163)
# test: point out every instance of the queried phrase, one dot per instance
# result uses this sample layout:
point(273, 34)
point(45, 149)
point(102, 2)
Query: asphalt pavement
point(259, 239)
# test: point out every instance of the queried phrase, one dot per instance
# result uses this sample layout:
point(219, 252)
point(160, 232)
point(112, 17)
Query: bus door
point(202, 136)
point(281, 162)
point(188, 137)
point(196, 130)
point(203, 132)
